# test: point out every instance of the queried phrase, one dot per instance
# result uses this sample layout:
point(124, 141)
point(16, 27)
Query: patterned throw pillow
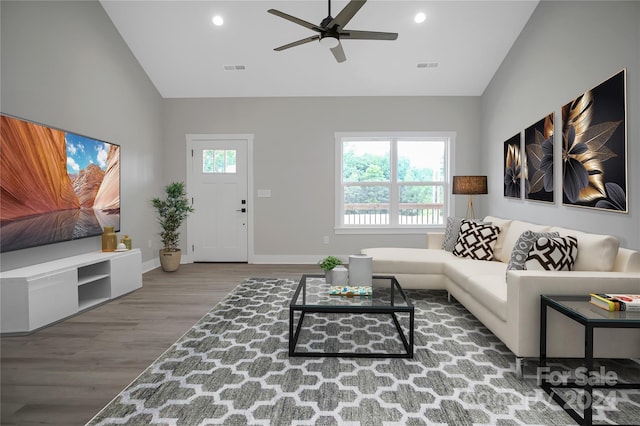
point(553, 254)
point(476, 240)
point(452, 231)
point(523, 246)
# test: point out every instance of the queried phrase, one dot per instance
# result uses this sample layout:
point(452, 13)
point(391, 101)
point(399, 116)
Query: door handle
point(243, 210)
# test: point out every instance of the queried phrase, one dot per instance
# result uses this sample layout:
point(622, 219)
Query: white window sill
point(390, 231)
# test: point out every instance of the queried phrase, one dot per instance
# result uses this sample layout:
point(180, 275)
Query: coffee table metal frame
point(391, 309)
point(576, 308)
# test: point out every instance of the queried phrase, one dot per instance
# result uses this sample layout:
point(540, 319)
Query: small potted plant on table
point(172, 211)
point(327, 264)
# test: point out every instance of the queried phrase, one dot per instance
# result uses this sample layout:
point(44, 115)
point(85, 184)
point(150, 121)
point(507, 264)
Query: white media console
point(38, 295)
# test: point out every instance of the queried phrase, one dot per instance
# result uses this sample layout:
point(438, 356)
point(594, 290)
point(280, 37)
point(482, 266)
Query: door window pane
point(218, 161)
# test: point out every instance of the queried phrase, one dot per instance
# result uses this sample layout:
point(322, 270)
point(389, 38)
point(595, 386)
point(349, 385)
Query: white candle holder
point(360, 270)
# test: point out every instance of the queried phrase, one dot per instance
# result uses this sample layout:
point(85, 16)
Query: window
point(392, 182)
point(218, 161)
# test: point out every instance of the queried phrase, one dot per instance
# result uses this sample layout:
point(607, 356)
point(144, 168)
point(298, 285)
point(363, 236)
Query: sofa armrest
point(525, 287)
point(627, 261)
point(435, 240)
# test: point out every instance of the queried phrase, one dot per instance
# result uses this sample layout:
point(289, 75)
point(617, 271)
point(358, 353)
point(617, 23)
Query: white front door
point(218, 184)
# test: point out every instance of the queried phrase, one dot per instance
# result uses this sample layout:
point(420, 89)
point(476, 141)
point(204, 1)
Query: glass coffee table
point(312, 296)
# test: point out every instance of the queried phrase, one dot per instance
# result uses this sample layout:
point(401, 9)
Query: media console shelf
point(38, 295)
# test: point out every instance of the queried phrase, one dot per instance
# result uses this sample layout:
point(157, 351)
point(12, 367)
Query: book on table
point(350, 291)
point(616, 301)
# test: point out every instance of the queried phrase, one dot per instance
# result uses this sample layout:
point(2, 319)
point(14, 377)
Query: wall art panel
point(512, 167)
point(594, 147)
point(538, 173)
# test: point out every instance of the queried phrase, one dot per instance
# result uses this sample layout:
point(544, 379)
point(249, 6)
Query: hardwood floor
point(65, 373)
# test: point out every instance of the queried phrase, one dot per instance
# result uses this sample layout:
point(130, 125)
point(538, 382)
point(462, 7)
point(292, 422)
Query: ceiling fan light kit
point(331, 30)
point(329, 41)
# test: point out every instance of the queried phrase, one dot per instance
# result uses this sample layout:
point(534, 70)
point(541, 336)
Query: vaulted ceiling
point(454, 52)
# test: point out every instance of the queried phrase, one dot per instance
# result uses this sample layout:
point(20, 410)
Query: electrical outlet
point(325, 239)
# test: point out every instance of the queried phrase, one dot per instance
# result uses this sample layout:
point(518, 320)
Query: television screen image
point(54, 185)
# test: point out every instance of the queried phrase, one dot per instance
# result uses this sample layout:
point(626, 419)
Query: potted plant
point(327, 264)
point(172, 211)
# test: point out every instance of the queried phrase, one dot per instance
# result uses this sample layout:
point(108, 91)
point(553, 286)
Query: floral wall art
point(512, 167)
point(538, 142)
point(594, 154)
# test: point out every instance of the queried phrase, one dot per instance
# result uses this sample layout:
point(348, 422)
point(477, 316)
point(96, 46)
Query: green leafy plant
point(329, 262)
point(172, 211)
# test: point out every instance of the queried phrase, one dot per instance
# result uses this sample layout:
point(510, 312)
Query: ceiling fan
point(331, 30)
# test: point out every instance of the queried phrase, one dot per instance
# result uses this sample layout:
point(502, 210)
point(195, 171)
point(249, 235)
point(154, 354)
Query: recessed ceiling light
point(420, 18)
point(217, 20)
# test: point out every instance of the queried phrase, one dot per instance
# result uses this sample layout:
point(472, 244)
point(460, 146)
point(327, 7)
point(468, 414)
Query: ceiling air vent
point(234, 67)
point(428, 65)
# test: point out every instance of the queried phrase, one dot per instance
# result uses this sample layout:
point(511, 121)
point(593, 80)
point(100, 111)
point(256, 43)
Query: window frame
point(393, 227)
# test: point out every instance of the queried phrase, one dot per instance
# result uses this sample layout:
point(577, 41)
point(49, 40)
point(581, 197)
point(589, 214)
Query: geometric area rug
point(233, 368)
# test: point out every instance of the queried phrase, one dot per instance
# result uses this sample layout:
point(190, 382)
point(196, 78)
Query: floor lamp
point(469, 185)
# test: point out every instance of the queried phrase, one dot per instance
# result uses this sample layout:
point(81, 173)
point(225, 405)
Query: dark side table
point(579, 309)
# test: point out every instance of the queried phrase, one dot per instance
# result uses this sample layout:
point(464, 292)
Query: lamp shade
point(469, 185)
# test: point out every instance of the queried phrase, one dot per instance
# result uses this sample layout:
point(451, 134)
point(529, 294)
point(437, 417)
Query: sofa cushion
point(522, 247)
point(553, 254)
point(476, 240)
point(498, 248)
point(490, 291)
point(461, 270)
point(397, 260)
point(513, 232)
point(595, 252)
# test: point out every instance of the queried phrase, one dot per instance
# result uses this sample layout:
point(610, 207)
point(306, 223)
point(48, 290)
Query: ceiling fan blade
point(367, 35)
point(298, 43)
point(296, 20)
point(338, 53)
point(346, 14)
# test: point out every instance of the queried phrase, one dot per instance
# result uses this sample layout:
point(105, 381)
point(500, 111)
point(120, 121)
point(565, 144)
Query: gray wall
point(65, 65)
point(565, 49)
point(294, 157)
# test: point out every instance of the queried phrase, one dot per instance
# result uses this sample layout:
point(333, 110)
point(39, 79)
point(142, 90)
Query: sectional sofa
point(507, 301)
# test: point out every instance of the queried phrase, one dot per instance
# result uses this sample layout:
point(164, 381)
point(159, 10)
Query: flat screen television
point(54, 185)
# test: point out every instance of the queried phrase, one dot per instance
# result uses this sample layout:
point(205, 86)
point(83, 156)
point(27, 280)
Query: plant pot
point(328, 276)
point(170, 260)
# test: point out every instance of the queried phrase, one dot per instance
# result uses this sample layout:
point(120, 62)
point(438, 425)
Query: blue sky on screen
point(82, 151)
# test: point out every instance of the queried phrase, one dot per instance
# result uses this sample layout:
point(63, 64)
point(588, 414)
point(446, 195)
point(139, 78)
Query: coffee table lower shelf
point(407, 342)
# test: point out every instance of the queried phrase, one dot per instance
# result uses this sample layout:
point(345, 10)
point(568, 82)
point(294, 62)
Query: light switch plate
point(264, 193)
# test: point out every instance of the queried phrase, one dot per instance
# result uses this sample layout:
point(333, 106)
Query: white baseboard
point(286, 259)
point(150, 264)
